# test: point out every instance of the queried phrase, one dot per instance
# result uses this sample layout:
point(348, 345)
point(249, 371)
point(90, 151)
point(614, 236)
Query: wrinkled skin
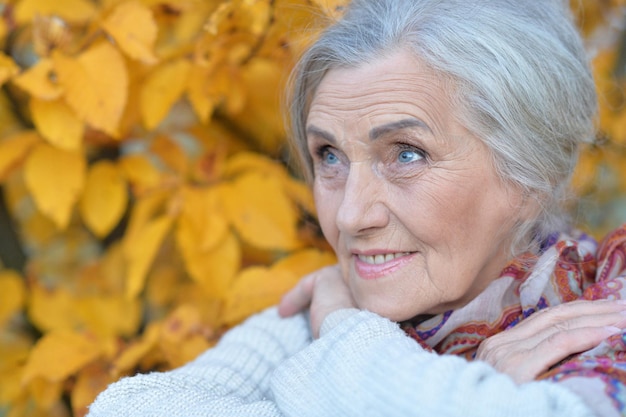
point(417, 215)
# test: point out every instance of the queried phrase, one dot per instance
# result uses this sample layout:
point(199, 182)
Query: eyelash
point(321, 151)
point(404, 147)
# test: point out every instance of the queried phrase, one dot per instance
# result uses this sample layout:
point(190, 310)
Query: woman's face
point(406, 196)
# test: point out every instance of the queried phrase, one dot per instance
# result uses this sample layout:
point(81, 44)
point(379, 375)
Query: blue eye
point(409, 156)
point(329, 157)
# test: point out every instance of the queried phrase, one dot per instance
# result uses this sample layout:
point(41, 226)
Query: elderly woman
point(439, 137)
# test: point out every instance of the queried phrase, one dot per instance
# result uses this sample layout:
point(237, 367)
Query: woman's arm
point(229, 380)
point(380, 356)
point(367, 366)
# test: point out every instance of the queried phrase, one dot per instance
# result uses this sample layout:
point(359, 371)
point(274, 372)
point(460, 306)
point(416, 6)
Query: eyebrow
point(379, 131)
point(375, 132)
point(321, 133)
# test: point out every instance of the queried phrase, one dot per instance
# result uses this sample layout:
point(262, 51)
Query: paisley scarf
point(569, 267)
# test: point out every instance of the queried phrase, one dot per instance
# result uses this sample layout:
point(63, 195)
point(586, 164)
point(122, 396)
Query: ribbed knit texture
point(231, 379)
point(363, 365)
point(366, 366)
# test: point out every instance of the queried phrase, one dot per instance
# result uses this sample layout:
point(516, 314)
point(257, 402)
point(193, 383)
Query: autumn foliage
point(147, 201)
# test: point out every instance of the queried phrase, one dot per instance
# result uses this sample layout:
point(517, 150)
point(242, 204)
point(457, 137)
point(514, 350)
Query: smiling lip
point(381, 264)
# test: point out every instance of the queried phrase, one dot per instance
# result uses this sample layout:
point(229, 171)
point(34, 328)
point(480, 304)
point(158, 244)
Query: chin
point(389, 312)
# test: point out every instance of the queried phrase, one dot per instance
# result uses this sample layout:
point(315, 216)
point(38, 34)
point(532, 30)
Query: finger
point(298, 298)
point(525, 357)
point(545, 329)
point(330, 294)
point(530, 364)
point(555, 316)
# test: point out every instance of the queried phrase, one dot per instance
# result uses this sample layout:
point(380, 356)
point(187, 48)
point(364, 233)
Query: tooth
point(381, 259)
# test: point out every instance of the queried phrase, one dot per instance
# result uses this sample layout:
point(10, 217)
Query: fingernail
point(613, 330)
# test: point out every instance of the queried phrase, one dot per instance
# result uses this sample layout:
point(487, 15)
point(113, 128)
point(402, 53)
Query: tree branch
point(11, 253)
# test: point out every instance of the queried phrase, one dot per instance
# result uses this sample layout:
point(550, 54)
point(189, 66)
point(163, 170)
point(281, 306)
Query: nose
point(363, 207)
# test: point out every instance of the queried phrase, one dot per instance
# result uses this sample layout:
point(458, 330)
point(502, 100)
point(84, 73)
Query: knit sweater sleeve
point(367, 366)
point(232, 379)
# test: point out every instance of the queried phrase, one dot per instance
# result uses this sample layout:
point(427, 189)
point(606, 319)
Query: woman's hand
point(324, 291)
point(551, 335)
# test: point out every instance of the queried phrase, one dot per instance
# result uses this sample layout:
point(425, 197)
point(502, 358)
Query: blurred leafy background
point(146, 200)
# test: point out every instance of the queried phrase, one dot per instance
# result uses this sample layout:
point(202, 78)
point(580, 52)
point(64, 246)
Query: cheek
point(326, 205)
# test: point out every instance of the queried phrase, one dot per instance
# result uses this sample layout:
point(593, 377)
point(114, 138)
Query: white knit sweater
point(362, 365)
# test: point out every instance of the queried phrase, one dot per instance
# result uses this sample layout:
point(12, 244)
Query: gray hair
point(520, 74)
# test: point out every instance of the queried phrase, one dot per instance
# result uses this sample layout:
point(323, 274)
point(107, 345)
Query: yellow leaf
point(141, 173)
point(161, 89)
point(261, 116)
point(617, 128)
point(221, 15)
point(213, 269)
point(51, 309)
point(140, 250)
point(179, 354)
point(57, 123)
point(90, 381)
point(60, 354)
point(254, 289)
point(40, 81)
point(104, 199)
point(164, 285)
point(228, 83)
point(133, 354)
point(111, 270)
point(50, 32)
point(585, 173)
point(14, 350)
point(246, 162)
point(39, 228)
point(55, 179)
point(108, 315)
point(14, 149)
point(258, 13)
point(199, 94)
point(261, 212)
point(8, 68)
point(332, 8)
point(300, 193)
point(104, 315)
point(10, 392)
point(210, 254)
point(201, 225)
point(28, 405)
point(143, 212)
point(182, 338)
point(305, 261)
point(74, 11)
point(133, 27)
point(170, 153)
point(44, 392)
point(12, 294)
point(181, 323)
point(96, 85)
